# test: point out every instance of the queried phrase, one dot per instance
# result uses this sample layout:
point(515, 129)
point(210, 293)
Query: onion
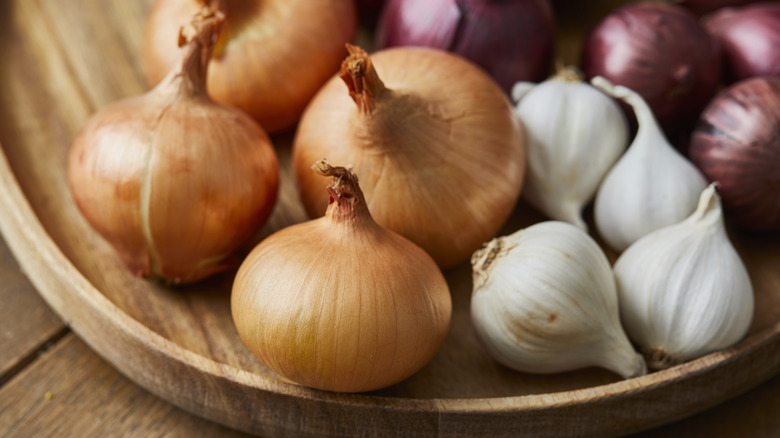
point(513, 39)
point(340, 303)
point(272, 57)
point(705, 6)
point(750, 37)
point(435, 141)
point(737, 145)
point(660, 51)
point(174, 181)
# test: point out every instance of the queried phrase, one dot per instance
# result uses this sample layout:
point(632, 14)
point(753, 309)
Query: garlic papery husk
point(575, 133)
point(650, 187)
point(545, 301)
point(684, 290)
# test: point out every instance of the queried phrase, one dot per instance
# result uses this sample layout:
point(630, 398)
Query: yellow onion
point(439, 152)
point(272, 57)
point(339, 303)
point(175, 182)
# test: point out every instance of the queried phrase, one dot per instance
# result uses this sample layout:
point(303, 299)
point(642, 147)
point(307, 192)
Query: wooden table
point(53, 385)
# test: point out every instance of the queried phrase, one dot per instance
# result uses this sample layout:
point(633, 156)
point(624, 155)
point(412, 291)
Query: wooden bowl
point(64, 61)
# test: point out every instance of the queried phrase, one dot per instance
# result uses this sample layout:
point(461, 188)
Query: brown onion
point(340, 303)
point(662, 52)
point(174, 181)
point(439, 151)
point(737, 145)
point(513, 40)
point(750, 38)
point(272, 57)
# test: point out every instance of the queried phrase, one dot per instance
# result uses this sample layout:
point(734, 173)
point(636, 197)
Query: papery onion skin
point(340, 303)
point(750, 38)
point(175, 182)
point(662, 52)
point(737, 145)
point(440, 154)
point(272, 57)
point(513, 40)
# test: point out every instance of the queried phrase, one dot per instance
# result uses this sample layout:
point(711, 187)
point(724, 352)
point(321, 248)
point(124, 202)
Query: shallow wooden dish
point(63, 61)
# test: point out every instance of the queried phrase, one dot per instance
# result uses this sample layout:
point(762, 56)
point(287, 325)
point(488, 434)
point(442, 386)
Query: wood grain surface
point(64, 61)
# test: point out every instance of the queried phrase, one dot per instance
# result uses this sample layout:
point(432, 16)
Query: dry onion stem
point(340, 303)
point(439, 152)
point(174, 181)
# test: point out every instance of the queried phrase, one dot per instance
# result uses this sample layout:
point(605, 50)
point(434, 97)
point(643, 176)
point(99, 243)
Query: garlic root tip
point(659, 359)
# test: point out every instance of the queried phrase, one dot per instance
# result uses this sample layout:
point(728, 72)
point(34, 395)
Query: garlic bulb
point(575, 133)
point(650, 187)
point(545, 301)
point(683, 290)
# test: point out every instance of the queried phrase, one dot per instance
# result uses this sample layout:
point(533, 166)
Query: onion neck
point(359, 74)
point(188, 77)
point(347, 203)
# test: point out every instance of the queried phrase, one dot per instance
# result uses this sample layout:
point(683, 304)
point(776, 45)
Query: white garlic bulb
point(650, 187)
point(575, 133)
point(683, 290)
point(545, 301)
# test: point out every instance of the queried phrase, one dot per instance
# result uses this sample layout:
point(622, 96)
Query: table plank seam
point(34, 354)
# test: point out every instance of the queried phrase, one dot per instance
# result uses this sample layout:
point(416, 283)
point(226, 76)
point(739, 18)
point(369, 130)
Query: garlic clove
point(545, 301)
point(575, 133)
point(650, 187)
point(684, 290)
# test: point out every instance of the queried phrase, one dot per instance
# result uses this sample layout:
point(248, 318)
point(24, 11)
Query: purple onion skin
point(737, 144)
point(750, 38)
point(704, 6)
point(662, 52)
point(513, 40)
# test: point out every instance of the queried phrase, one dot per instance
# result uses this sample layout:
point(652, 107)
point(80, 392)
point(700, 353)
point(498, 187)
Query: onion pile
point(513, 40)
point(662, 52)
point(174, 181)
point(750, 38)
point(272, 57)
point(737, 145)
point(435, 142)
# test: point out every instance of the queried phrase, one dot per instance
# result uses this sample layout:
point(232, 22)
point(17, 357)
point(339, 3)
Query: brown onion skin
point(441, 155)
point(737, 145)
point(339, 303)
point(662, 52)
point(750, 38)
point(211, 173)
point(513, 40)
point(269, 68)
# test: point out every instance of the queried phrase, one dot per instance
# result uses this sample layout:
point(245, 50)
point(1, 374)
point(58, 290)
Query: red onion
point(662, 52)
point(750, 37)
point(737, 144)
point(704, 6)
point(512, 39)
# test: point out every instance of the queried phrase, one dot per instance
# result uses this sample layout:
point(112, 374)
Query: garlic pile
point(545, 301)
point(650, 187)
point(575, 133)
point(683, 290)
